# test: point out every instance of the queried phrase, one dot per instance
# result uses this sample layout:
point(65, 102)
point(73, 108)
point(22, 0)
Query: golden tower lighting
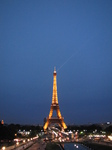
point(55, 106)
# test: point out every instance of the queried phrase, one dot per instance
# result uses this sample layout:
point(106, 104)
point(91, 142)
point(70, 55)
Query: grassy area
point(97, 146)
point(52, 146)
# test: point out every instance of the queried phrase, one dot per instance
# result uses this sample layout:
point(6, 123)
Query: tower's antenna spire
point(54, 69)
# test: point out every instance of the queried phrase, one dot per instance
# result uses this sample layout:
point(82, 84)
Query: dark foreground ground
point(52, 146)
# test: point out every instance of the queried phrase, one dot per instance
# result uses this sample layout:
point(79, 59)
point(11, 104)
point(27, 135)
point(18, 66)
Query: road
point(38, 146)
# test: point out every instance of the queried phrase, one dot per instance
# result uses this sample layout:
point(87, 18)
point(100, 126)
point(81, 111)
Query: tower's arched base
point(59, 121)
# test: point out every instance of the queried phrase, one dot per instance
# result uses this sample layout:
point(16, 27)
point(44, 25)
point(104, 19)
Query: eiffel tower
point(55, 106)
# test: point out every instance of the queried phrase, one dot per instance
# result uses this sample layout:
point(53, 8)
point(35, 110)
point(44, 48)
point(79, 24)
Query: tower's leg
point(58, 113)
point(51, 112)
point(63, 124)
point(46, 125)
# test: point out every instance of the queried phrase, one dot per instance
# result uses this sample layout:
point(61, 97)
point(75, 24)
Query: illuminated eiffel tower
point(55, 106)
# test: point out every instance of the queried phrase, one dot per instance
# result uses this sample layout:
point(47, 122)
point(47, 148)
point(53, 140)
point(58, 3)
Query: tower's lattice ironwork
point(55, 106)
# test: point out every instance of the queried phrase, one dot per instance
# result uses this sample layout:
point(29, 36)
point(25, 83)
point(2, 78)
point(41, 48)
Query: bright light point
point(23, 141)
point(77, 147)
point(110, 138)
point(3, 148)
point(16, 140)
point(81, 132)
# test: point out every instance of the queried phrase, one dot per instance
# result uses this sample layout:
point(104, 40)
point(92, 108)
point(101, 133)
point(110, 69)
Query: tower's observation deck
point(55, 106)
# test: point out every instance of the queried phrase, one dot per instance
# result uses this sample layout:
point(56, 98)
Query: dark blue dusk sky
point(76, 37)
